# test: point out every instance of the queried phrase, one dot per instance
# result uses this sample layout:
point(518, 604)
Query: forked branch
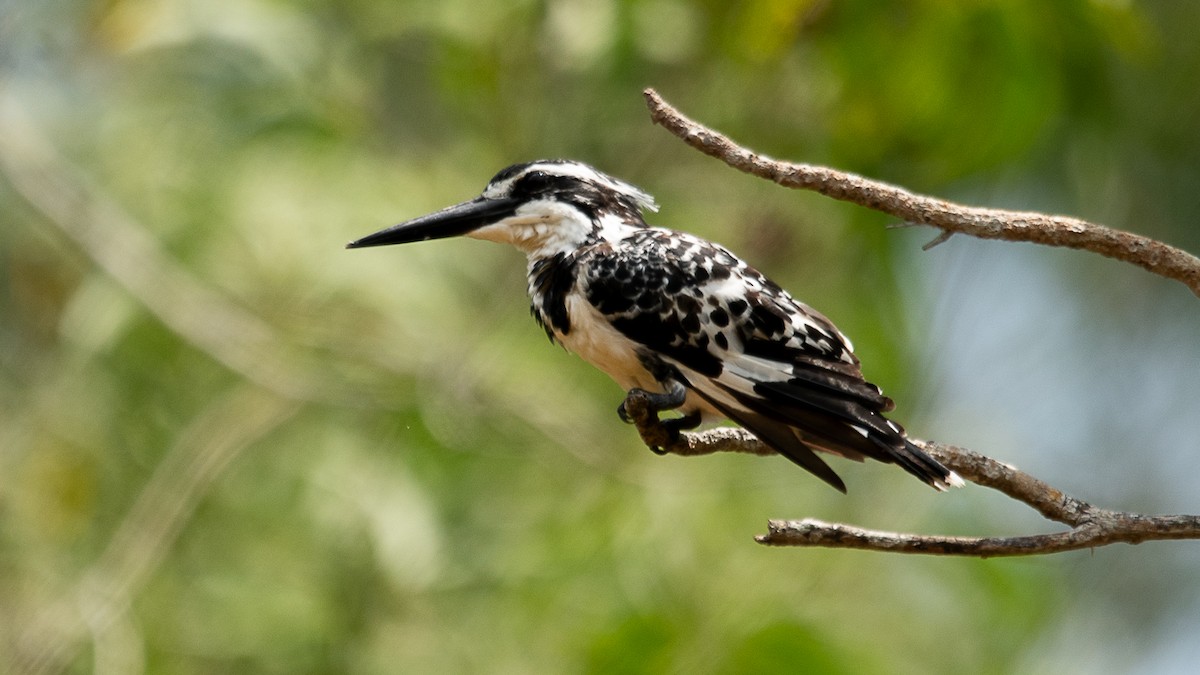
point(1090, 526)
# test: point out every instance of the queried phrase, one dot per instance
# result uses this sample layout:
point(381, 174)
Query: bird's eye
point(536, 182)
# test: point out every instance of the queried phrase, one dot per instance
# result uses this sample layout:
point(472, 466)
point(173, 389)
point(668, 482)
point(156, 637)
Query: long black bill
point(449, 222)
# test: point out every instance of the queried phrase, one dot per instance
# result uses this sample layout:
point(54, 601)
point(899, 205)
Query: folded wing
point(750, 351)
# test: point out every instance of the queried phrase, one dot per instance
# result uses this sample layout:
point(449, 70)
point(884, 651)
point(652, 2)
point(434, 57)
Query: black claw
point(678, 425)
point(657, 402)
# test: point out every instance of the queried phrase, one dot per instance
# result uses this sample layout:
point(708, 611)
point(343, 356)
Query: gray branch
point(1090, 526)
point(1039, 228)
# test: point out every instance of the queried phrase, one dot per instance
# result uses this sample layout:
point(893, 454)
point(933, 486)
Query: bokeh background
point(228, 445)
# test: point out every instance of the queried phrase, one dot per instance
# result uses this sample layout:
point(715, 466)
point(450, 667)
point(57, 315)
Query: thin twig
point(1039, 228)
point(1090, 526)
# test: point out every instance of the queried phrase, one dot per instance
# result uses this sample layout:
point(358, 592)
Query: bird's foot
point(651, 402)
point(675, 428)
point(641, 409)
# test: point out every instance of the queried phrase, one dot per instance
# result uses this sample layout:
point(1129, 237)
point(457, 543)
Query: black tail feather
point(782, 437)
point(796, 420)
point(820, 410)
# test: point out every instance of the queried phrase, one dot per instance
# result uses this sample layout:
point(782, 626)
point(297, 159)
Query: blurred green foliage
point(228, 445)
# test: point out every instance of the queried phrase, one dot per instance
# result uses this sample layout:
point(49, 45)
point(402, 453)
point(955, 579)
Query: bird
point(678, 319)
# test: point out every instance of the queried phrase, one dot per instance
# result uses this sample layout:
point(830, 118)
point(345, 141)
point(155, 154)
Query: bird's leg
point(641, 408)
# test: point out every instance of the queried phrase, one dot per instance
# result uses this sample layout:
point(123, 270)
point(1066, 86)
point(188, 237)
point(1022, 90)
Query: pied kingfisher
point(678, 317)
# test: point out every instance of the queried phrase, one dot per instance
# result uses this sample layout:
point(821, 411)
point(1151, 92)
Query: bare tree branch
point(1090, 526)
point(1039, 228)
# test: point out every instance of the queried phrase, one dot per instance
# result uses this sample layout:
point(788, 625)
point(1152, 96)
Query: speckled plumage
point(653, 307)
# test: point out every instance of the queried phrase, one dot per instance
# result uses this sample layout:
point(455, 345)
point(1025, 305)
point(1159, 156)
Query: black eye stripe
point(536, 181)
point(539, 183)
